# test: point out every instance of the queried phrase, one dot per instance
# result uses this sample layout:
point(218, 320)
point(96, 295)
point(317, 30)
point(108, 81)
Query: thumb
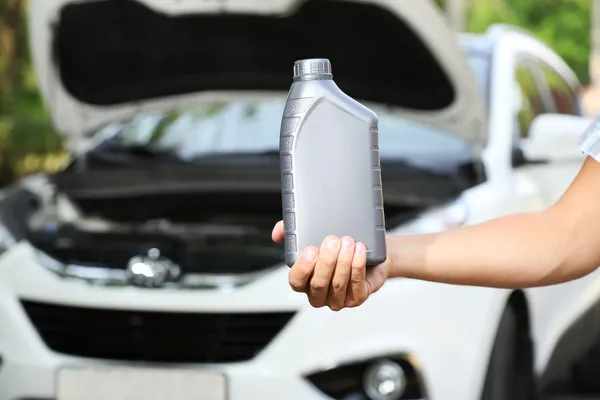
point(376, 276)
point(277, 234)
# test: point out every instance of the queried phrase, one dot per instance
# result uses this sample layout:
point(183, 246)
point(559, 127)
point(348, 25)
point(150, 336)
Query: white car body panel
point(449, 333)
point(436, 332)
point(552, 309)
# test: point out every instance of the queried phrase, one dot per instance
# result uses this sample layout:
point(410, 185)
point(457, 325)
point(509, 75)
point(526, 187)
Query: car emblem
point(151, 270)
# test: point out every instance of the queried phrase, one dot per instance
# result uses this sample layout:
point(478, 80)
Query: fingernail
point(360, 249)
point(347, 243)
point(310, 254)
point(333, 243)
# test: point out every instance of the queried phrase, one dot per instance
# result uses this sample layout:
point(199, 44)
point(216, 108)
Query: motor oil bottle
point(330, 167)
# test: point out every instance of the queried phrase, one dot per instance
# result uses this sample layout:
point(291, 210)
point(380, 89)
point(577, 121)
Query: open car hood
point(99, 61)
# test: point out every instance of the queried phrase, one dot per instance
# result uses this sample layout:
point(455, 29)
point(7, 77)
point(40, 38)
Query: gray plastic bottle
point(330, 168)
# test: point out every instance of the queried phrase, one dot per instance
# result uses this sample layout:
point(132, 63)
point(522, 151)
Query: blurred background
point(29, 144)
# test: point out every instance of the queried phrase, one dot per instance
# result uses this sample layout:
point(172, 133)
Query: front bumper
point(446, 329)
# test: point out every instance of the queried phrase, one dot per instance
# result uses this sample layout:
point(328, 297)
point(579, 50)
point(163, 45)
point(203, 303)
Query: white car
point(145, 270)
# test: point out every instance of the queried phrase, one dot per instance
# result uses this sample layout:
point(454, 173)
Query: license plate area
point(139, 383)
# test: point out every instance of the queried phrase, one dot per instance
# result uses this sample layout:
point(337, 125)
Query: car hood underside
point(109, 60)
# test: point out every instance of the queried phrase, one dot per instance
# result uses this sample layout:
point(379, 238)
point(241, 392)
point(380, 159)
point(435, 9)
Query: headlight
point(384, 380)
point(390, 378)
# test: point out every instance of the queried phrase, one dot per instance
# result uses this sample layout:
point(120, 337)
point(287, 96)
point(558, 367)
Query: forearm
point(521, 250)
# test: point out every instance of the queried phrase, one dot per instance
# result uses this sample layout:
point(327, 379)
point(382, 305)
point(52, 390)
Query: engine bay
point(199, 236)
point(203, 233)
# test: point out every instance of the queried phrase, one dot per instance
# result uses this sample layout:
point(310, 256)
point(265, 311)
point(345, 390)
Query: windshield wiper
point(235, 155)
point(272, 152)
point(140, 151)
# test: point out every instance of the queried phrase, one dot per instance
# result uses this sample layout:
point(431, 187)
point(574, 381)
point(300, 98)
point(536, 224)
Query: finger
point(321, 279)
point(341, 274)
point(302, 269)
point(278, 232)
point(357, 290)
point(376, 277)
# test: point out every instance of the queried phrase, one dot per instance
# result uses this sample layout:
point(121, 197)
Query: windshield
point(252, 126)
point(247, 126)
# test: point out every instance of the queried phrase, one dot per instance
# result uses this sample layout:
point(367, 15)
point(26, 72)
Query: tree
point(25, 127)
point(564, 25)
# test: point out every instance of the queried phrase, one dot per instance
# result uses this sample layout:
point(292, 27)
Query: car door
point(559, 309)
point(515, 102)
point(553, 309)
point(507, 189)
point(558, 96)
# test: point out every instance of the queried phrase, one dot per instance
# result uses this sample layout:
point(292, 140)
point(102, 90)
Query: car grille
point(155, 336)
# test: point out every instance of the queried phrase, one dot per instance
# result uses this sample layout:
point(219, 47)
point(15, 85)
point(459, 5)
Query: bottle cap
point(312, 68)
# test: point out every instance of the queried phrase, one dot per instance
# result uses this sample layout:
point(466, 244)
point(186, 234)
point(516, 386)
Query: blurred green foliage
point(26, 133)
point(28, 143)
point(562, 24)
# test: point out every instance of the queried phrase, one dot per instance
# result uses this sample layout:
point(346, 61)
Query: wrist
point(406, 255)
point(393, 257)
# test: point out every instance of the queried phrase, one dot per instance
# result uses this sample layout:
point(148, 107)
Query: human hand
point(336, 274)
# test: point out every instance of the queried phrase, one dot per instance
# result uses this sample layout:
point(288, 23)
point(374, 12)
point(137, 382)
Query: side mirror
point(554, 138)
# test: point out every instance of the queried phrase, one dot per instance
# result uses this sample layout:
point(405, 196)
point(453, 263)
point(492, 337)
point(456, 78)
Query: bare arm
point(521, 250)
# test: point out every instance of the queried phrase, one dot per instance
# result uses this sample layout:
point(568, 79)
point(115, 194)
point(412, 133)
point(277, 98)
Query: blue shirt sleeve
point(589, 143)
